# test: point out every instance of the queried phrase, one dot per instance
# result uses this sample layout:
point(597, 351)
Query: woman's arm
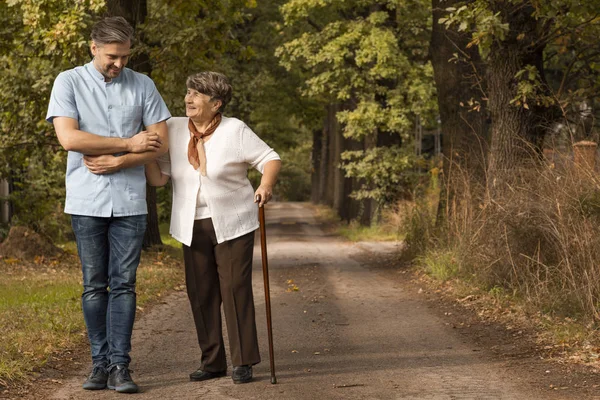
point(265, 190)
point(154, 176)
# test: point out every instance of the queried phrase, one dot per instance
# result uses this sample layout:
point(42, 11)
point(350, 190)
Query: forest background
point(352, 94)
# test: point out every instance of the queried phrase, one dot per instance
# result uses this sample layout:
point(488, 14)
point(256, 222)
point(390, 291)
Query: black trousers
point(218, 274)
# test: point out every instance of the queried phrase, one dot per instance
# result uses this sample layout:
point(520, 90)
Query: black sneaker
point(97, 379)
point(242, 374)
point(120, 380)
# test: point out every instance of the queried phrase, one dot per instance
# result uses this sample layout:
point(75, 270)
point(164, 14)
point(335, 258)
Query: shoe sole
point(94, 387)
point(219, 375)
point(239, 381)
point(124, 389)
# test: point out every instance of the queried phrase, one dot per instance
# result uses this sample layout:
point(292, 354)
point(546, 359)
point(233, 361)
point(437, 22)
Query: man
point(98, 111)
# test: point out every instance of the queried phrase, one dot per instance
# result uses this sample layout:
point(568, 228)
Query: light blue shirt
point(119, 108)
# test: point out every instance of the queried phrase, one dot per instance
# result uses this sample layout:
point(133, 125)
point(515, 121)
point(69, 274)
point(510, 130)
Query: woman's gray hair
point(112, 30)
point(213, 84)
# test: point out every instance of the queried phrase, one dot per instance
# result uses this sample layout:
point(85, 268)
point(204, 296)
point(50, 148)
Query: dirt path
point(349, 331)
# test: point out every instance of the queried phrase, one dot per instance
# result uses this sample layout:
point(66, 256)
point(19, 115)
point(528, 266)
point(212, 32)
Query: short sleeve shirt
point(120, 108)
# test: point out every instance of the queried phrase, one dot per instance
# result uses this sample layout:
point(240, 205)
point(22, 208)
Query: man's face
point(111, 58)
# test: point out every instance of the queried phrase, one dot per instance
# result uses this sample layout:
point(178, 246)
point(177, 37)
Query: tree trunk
point(465, 137)
point(324, 162)
point(332, 135)
point(316, 176)
point(135, 12)
point(517, 132)
point(5, 209)
point(152, 235)
point(464, 132)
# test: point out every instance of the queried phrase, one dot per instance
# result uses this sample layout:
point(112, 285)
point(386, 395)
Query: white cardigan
point(229, 195)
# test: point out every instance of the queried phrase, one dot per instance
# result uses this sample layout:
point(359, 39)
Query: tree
point(39, 39)
point(135, 12)
point(514, 39)
point(366, 60)
point(460, 83)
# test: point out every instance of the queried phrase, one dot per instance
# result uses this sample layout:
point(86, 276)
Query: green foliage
point(386, 173)
point(371, 54)
point(39, 39)
point(567, 29)
point(38, 196)
point(266, 97)
point(371, 57)
point(294, 179)
point(184, 37)
point(237, 38)
point(530, 88)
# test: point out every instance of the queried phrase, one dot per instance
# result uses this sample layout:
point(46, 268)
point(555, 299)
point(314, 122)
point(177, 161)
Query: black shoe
point(200, 375)
point(97, 379)
point(242, 374)
point(120, 380)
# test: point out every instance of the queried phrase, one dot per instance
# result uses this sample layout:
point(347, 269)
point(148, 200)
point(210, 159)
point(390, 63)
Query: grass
point(40, 313)
point(40, 306)
point(440, 264)
point(353, 231)
point(167, 239)
point(378, 233)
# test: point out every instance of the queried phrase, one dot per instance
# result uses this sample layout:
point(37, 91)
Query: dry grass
point(536, 238)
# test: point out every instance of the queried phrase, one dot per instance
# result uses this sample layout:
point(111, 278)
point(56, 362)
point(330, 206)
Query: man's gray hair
point(112, 30)
point(213, 84)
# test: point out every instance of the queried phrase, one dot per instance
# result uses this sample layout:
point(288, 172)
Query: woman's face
point(199, 106)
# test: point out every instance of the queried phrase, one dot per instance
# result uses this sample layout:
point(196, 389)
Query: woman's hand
point(263, 194)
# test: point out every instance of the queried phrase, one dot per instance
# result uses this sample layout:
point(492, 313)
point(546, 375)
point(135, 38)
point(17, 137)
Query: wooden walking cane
point(265, 266)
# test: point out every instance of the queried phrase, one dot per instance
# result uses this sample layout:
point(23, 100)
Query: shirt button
point(109, 107)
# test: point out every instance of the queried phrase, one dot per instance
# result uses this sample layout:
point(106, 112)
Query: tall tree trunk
point(517, 132)
point(333, 150)
point(465, 133)
point(316, 176)
point(324, 164)
point(348, 208)
point(337, 188)
point(135, 12)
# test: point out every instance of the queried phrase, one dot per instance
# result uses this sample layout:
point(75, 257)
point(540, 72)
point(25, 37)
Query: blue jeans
point(109, 250)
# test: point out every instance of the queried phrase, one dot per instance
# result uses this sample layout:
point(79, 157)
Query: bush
point(537, 236)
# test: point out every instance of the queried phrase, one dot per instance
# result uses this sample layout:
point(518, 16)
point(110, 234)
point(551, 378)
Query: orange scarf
point(196, 154)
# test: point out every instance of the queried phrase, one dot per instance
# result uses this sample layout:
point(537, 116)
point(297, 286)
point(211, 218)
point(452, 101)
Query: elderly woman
point(215, 217)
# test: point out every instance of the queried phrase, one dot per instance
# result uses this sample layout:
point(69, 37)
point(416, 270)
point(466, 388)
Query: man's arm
point(73, 139)
point(107, 164)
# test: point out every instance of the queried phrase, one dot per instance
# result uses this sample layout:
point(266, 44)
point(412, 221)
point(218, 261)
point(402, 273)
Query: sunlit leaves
point(387, 173)
point(40, 38)
point(182, 37)
point(360, 52)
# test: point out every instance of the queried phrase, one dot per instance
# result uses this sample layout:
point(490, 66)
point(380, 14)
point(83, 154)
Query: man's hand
point(144, 141)
point(102, 165)
point(263, 194)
